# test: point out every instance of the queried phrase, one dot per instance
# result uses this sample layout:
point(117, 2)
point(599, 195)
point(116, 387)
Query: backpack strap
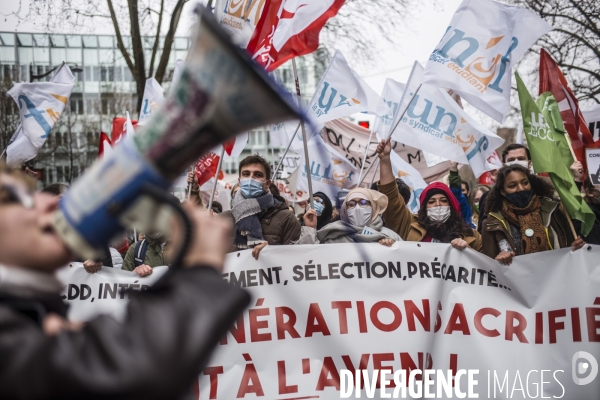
point(139, 253)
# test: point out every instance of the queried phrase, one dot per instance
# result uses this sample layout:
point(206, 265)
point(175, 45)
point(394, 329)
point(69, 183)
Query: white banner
point(392, 94)
point(475, 56)
point(239, 18)
point(529, 330)
point(435, 123)
point(89, 295)
point(320, 309)
point(592, 118)
point(342, 92)
point(153, 98)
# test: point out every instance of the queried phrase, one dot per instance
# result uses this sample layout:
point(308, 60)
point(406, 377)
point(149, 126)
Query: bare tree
point(9, 113)
point(574, 43)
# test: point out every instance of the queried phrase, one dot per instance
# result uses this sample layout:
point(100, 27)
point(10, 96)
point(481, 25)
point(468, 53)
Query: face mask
point(439, 213)
point(519, 199)
point(251, 188)
point(522, 163)
point(318, 208)
point(476, 207)
point(359, 216)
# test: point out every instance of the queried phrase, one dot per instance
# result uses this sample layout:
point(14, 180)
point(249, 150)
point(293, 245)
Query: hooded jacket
point(399, 218)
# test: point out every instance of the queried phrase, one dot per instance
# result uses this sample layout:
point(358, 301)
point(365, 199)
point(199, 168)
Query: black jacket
point(156, 353)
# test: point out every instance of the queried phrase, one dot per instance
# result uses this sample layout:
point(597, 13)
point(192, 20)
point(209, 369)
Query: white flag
point(330, 171)
point(435, 123)
point(153, 97)
point(239, 18)
point(392, 94)
point(280, 134)
point(592, 118)
point(222, 195)
point(412, 86)
point(476, 55)
point(411, 177)
point(179, 66)
point(40, 106)
point(128, 127)
point(341, 92)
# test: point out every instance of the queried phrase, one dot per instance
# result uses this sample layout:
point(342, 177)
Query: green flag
point(550, 152)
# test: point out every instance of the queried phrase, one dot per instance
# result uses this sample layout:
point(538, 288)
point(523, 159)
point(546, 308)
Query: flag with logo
point(476, 54)
point(552, 80)
point(412, 87)
point(592, 118)
point(545, 133)
point(153, 98)
point(282, 133)
point(105, 145)
point(330, 171)
point(288, 29)
point(40, 106)
point(239, 18)
point(392, 95)
point(411, 177)
point(206, 167)
point(435, 123)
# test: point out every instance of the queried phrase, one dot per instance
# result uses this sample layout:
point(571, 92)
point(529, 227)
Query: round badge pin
point(529, 232)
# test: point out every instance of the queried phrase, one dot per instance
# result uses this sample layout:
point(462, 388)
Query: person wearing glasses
point(439, 217)
point(156, 352)
point(360, 222)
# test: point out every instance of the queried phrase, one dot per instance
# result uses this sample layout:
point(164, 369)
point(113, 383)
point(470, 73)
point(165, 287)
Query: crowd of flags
point(473, 62)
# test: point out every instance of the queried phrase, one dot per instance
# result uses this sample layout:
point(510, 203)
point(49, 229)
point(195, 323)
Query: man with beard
point(439, 219)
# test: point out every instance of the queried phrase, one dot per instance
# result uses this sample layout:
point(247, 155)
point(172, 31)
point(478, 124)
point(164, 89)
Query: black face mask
point(519, 199)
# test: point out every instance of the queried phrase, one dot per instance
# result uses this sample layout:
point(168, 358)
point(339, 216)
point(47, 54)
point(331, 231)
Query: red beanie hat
point(437, 187)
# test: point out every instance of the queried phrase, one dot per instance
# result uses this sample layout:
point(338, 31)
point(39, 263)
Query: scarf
point(526, 220)
point(247, 214)
point(343, 232)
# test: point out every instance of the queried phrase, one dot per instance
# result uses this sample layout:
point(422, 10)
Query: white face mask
point(359, 216)
point(522, 163)
point(439, 214)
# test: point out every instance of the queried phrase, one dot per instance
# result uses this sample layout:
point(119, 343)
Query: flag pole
point(306, 159)
point(362, 165)
point(286, 151)
point(212, 195)
point(390, 135)
point(189, 194)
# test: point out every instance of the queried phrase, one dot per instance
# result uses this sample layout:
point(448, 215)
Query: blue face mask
point(318, 208)
point(251, 188)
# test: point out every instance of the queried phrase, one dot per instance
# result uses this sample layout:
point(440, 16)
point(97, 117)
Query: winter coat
point(156, 353)
point(559, 229)
point(343, 232)
point(399, 219)
point(279, 224)
point(154, 256)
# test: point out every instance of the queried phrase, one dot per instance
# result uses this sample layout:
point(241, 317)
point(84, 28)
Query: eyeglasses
point(15, 194)
point(363, 203)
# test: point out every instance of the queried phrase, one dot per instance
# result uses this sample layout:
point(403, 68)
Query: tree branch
point(157, 38)
point(164, 59)
point(120, 43)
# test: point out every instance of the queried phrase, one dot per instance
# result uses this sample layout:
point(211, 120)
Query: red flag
point(552, 80)
point(105, 144)
point(289, 28)
point(206, 167)
point(118, 128)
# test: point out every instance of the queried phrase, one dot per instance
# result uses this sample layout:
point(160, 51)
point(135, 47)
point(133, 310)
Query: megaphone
point(220, 93)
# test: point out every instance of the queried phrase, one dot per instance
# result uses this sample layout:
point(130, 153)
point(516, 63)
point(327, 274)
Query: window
point(58, 55)
point(181, 43)
point(58, 139)
point(58, 41)
point(25, 39)
point(107, 56)
point(73, 41)
point(42, 56)
point(111, 74)
point(103, 74)
point(90, 41)
point(74, 56)
point(118, 74)
point(128, 75)
point(41, 40)
point(105, 41)
point(25, 56)
point(7, 55)
point(59, 174)
point(90, 56)
point(8, 39)
point(96, 75)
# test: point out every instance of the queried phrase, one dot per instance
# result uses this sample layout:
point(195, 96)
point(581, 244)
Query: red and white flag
point(235, 146)
point(105, 145)
point(206, 167)
point(552, 80)
point(120, 128)
point(288, 29)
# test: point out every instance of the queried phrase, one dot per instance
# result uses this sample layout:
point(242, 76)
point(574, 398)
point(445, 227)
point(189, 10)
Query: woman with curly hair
point(439, 218)
point(523, 218)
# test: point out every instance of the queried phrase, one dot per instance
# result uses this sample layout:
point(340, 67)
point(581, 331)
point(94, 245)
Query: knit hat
point(439, 188)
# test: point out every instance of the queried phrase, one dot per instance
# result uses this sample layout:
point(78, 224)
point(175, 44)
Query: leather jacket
point(157, 352)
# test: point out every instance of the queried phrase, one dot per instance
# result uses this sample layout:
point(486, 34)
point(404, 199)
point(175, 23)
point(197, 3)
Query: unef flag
point(153, 98)
point(435, 123)
point(544, 129)
point(476, 55)
point(552, 80)
point(392, 94)
point(239, 18)
point(40, 106)
point(288, 29)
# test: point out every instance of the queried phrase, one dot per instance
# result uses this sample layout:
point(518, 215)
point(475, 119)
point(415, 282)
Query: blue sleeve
point(465, 208)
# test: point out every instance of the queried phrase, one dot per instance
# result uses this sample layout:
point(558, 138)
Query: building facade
point(105, 89)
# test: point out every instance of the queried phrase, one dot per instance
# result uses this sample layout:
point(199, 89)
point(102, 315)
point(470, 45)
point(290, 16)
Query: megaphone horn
point(221, 92)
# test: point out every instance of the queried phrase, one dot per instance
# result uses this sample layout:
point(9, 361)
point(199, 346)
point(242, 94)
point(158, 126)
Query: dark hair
point(256, 159)
point(274, 190)
point(515, 146)
point(539, 186)
point(403, 188)
point(454, 227)
point(56, 189)
point(217, 207)
point(466, 184)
